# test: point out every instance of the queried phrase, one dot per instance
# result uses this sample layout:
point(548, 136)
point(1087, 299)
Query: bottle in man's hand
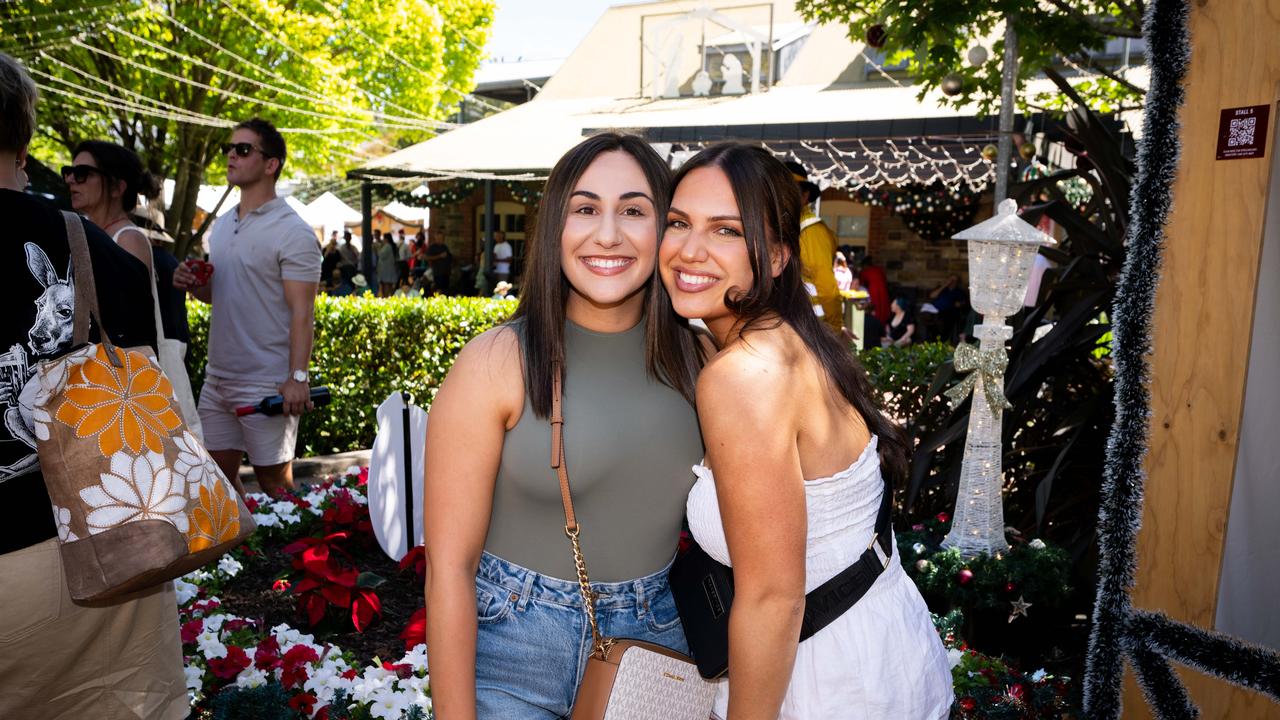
point(274, 405)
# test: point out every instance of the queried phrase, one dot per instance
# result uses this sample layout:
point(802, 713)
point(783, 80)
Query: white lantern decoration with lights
point(1002, 251)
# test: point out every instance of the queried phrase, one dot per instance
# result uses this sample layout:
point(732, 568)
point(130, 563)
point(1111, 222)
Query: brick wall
point(908, 259)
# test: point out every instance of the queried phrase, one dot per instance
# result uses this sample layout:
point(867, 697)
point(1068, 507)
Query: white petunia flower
point(210, 644)
point(195, 677)
point(954, 656)
point(185, 591)
point(283, 507)
point(370, 683)
point(136, 488)
point(267, 520)
point(251, 677)
point(214, 622)
point(416, 658)
point(229, 566)
point(198, 576)
point(388, 704)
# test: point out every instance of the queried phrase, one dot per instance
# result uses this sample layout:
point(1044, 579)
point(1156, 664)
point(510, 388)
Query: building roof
point(827, 91)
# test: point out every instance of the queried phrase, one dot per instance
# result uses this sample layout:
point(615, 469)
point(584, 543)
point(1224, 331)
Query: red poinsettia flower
point(230, 666)
point(191, 630)
point(364, 606)
point(415, 632)
point(967, 704)
point(417, 560)
point(293, 667)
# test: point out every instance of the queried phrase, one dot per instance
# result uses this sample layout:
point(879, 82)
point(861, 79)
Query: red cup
point(202, 269)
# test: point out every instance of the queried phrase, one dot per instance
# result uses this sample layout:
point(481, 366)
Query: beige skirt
point(62, 660)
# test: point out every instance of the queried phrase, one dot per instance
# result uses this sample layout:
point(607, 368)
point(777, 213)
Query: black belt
point(703, 590)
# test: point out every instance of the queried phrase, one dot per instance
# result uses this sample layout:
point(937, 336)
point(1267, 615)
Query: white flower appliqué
point(194, 465)
point(62, 517)
point(136, 488)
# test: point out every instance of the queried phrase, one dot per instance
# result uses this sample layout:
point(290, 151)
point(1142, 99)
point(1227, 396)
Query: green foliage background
point(366, 349)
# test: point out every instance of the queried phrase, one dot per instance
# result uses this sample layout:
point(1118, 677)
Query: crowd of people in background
point(420, 265)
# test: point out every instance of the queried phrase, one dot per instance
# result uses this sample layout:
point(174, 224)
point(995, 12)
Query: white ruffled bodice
point(881, 659)
point(841, 508)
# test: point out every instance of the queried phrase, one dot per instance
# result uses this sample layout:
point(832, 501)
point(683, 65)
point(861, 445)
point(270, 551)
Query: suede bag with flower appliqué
point(136, 497)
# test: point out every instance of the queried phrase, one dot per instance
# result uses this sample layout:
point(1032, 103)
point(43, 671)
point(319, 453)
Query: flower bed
point(310, 620)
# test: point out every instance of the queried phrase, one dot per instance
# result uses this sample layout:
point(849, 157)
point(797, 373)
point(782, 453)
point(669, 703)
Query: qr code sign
point(1241, 131)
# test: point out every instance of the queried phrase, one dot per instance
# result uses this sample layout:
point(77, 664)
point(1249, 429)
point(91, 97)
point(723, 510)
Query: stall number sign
point(1242, 132)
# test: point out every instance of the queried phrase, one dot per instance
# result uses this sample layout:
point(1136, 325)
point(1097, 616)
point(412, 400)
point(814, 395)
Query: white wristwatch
point(299, 376)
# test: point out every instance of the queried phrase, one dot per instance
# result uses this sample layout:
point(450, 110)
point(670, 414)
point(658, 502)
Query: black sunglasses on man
point(242, 149)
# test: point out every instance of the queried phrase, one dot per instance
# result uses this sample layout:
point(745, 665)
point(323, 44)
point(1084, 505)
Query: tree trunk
point(190, 176)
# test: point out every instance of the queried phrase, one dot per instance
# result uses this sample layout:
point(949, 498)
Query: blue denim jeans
point(534, 639)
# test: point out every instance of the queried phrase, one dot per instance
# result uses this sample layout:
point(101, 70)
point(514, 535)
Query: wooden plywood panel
point(1203, 320)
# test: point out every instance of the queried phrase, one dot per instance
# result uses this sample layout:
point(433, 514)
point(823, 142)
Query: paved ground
point(312, 469)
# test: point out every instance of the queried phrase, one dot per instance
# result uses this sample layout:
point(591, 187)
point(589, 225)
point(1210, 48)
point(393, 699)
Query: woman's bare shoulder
point(751, 376)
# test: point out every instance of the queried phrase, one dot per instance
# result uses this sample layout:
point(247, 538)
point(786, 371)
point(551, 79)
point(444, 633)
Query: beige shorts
point(61, 660)
point(267, 440)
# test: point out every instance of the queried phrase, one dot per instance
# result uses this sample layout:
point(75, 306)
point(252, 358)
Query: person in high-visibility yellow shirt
point(817, 254)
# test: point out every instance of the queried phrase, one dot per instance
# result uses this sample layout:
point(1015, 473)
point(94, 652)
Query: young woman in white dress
point(797, 443)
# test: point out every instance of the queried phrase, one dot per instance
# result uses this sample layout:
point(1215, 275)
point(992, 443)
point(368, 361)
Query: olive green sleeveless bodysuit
point(630, 445)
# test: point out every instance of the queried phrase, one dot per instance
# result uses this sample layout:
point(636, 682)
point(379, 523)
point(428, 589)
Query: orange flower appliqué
point(215, 519)
point(126, 407)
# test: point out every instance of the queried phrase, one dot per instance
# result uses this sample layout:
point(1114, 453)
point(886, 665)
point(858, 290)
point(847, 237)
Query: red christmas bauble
point(1010, 587)
point(876, 36)
point(964, 576)
point(942, 516)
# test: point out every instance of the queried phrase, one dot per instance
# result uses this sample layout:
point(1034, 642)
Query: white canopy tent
point(329, 213)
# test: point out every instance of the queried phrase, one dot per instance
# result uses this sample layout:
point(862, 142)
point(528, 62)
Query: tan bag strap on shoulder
point(571, 528)
point(86, 291)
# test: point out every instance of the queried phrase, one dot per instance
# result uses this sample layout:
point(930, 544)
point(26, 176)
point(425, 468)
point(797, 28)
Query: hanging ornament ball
point(952, 85)
point(942, 517)
point(964, 576)
point(977, 55)
point(1010, 587)
point(1027, 150)
point(876, 36)
point(922, 565)
point(990, 152)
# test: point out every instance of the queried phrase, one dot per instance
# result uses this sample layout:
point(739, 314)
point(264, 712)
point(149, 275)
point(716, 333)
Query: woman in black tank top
point(507, 634)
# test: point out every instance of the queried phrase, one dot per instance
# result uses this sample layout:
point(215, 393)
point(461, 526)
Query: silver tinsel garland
point(1150, 640)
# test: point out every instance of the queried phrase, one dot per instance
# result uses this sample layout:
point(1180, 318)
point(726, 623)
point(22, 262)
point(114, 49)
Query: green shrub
point(367, 348)
point(904, 375)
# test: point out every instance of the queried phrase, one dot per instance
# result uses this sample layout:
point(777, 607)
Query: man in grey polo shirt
point(266, 269)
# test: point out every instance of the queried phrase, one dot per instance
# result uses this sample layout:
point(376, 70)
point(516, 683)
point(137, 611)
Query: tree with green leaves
point(344, 80)
point(934, 38)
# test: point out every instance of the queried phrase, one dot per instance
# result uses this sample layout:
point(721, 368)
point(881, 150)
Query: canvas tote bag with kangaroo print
point(136, 497)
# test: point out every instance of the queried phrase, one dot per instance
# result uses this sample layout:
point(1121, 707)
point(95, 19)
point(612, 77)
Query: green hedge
point(367, 348)
point(904, 375)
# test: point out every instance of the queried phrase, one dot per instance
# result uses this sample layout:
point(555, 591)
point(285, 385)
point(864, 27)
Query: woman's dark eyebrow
point(623, 196)
point(719, 218)
point(677, 211)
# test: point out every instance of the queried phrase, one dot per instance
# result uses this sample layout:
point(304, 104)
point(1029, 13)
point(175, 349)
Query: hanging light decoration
point(977, 55)
point(1001, 252)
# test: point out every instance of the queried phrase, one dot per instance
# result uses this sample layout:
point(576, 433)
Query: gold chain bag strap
point(624, 679)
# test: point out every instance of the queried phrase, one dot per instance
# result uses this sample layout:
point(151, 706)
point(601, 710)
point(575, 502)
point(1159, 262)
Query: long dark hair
point(770, 205)
point(673, 354)
point(116, 163)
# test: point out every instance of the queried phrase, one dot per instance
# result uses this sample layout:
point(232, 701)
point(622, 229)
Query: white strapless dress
point(882, 659)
